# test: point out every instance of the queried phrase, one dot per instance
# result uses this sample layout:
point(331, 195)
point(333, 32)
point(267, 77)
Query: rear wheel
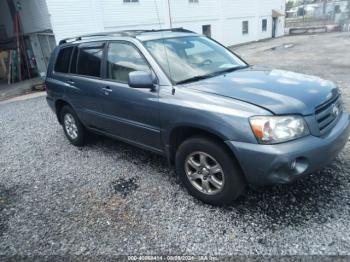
point(208, 171)
point(72, 126)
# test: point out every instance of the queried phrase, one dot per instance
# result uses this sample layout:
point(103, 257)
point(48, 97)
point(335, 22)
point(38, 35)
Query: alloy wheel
point(204, 173)
point(70, 126)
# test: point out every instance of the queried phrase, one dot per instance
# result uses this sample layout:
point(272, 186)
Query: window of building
point(63, 59)
point(130, 1)
point(193, 1)
point(123, 59)
point(89, 60)
point(206, 29)
point(245, 27)
point(264, 25)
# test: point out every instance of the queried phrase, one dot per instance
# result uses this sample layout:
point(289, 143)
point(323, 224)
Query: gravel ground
point(109, 198)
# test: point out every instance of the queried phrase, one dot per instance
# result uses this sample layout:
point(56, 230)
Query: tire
point(72, 127)
point(209, 184)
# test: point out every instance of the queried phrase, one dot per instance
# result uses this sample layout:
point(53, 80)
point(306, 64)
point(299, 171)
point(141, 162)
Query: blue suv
point(223, 123)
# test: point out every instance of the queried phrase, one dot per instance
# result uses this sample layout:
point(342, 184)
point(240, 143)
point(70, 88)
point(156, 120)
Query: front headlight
point(277, 129)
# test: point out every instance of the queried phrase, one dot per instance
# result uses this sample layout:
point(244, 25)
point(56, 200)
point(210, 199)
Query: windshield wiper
point(231, 69)
point(201, 77)
point(193, 79)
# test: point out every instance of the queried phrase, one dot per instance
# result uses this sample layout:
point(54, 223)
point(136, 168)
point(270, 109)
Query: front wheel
point(208, 171)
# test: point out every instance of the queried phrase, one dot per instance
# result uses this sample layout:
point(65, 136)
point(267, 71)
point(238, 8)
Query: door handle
point(107, 90)
point(71, 82)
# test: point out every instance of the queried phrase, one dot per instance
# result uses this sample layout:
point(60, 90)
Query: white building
point(224, 17)
point(228, 21)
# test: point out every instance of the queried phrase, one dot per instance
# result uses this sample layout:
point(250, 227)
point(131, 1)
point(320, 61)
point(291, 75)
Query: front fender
point(224, 117)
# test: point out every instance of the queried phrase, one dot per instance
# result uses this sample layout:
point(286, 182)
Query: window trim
point(262, 25)
point(137, 49)
point(208, 26)
point(243, 31)
point(76, 46)
point(56, 58)
point(102, 58)
point(75, 49)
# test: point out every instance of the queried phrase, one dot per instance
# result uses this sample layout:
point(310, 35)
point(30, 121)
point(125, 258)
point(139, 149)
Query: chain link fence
point(313, 16)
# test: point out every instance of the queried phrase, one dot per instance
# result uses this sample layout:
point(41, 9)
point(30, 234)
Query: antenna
point(162, 32)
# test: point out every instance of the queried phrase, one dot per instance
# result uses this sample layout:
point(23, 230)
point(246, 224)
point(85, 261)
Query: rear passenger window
point(63, 59)
point(123, 59)
point(89, 60)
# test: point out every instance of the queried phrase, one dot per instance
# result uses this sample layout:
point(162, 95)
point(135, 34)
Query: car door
point(85, 85)
point(58, 81)
point(132, 112)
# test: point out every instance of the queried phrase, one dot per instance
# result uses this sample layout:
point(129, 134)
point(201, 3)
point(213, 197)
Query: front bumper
point(283, 163)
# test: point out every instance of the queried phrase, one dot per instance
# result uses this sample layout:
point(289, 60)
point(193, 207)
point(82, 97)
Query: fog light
point(299, 165)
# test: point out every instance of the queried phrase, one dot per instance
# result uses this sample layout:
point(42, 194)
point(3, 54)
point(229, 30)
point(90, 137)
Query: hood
point(279, 91)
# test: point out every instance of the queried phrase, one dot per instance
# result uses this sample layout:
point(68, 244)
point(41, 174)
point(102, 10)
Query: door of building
point(274, 26)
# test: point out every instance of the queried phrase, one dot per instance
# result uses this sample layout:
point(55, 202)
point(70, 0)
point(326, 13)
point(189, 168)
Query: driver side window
point(122, 59)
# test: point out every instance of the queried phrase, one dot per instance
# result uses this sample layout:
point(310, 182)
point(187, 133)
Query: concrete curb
point(22, 97)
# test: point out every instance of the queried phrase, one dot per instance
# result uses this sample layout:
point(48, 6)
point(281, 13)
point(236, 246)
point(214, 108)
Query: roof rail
point(130, 33)
point(177, 29)
point(78, 38)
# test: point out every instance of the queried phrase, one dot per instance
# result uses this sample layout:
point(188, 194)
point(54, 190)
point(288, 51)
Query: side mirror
point(140, 79)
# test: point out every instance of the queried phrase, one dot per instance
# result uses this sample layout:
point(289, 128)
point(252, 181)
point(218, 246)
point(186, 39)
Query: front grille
point(328, 113)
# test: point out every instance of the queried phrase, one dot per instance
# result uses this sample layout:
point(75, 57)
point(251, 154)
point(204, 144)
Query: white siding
point(131, 15)
point(193, 16)
point(265, 8)
point(74, 17)
point(183, 11)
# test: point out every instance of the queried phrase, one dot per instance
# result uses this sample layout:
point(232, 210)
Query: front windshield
point(186, 58)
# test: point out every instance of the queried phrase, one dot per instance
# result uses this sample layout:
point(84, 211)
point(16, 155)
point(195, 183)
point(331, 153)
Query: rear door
point(85, 83)
point(57, 75)
point(132, 112)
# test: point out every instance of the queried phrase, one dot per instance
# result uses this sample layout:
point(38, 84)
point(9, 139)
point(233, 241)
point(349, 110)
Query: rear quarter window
point(63, 59)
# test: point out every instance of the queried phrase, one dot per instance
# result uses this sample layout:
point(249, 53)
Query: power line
point(170, 19)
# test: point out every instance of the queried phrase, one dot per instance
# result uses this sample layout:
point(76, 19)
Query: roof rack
point(130, 33)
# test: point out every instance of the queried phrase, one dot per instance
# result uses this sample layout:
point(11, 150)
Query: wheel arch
point(59, 104)
point(183, 132)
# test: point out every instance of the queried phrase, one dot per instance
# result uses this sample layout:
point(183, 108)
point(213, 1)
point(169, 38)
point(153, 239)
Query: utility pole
point(324, 7)
point(18, 32)
point(304, 12)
